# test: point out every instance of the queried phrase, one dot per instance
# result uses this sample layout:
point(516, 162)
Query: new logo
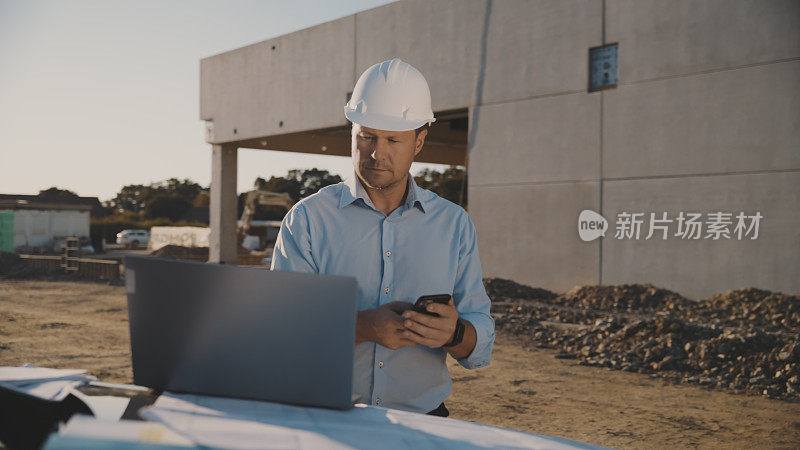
point(591, 225)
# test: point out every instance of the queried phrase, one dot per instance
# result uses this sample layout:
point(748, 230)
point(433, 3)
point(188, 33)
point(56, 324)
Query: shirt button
point(386, 290)
point(378, 401)
point(388, 253)
point(380, 363)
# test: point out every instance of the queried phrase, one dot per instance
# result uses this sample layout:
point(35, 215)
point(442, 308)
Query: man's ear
point(419, 141)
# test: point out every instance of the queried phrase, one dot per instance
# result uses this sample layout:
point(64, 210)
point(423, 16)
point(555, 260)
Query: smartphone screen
point(423, 302)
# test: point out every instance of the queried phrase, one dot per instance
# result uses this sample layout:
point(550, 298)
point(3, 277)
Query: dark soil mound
point(744, 340)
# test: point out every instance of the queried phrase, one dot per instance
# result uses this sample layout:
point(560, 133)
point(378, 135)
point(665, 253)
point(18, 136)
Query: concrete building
point(698, 111)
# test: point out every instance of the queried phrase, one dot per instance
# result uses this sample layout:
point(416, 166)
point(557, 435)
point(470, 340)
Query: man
point(400, 242)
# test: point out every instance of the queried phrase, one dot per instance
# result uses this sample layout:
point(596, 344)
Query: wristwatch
point(458, 334)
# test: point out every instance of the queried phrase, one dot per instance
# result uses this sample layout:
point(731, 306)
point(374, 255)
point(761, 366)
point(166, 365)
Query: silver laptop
point(243, 332)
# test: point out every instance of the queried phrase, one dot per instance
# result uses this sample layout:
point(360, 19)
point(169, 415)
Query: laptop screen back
point(241, 332)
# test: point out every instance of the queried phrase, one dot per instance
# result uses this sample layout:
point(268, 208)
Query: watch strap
point(458, 334)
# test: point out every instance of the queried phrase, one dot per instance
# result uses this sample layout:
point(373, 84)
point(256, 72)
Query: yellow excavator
point(254, 198)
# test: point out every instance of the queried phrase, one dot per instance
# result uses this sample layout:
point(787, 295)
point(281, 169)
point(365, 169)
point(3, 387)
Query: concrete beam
point(291, 83)
point(446, 142)
point(333, 145)
point(222, 210)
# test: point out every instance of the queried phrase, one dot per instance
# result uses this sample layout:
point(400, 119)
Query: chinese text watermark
point(685, 225)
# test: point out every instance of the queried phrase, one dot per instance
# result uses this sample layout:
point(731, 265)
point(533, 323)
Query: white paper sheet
point(122, 430)
point(104, 407)
point(47, 384)
point(30, 373)
point(247, 424)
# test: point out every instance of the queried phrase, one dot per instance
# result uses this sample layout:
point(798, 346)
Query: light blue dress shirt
point(425, 246)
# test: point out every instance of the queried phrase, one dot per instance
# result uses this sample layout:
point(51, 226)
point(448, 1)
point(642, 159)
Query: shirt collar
point(353, 190)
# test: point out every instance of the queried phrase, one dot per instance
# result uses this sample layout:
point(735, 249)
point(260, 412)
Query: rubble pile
point(500, 290)
point(514, 311)
point(751, 307)
point(180, 252)
point(745, 340)
point(625, 298)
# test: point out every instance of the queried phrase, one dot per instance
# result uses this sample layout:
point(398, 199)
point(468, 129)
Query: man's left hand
point(431, 331)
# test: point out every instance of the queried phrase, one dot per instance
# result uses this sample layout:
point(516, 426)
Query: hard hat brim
point(382, 122)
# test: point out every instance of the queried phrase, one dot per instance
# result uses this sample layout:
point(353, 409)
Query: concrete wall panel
point(665, 38)
point(439, 38)
point(528, 233)
point(302, 83)
point(698, 268)
point(540, 47)
point(736, 120)
point(545, 139)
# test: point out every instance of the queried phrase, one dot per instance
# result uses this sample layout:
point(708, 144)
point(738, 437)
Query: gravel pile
point(751, 307)
point(745, 340)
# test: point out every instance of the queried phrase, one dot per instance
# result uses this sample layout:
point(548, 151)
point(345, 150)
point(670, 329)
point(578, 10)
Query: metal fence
point(107, 269)
point(104, 269)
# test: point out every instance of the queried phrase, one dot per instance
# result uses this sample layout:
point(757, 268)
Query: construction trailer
point(620, 107)
point(46, 226)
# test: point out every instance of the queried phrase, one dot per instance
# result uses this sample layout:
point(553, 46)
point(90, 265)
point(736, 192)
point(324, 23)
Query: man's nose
point(380, 149)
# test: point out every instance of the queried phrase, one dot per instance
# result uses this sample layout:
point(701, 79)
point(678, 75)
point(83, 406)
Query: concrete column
point(222, 208)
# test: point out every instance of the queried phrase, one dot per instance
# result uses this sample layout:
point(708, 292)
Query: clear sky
point(95, 95)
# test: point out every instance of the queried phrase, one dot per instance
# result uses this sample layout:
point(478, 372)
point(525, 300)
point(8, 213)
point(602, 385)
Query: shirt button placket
point(387, 240)
point(379, 376)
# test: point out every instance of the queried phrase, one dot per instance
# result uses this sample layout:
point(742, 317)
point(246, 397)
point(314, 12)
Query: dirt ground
point(84, 325)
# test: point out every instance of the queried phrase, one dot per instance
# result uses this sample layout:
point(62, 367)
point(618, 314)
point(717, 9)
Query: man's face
point(382, 158)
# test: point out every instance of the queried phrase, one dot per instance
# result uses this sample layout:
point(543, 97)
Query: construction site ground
point(68, 324)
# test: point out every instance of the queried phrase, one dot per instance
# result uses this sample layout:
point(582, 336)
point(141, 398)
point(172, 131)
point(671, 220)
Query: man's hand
point(383, 325)
point(431, 331)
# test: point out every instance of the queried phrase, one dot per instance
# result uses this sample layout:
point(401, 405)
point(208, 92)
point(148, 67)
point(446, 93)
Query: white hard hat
point(392, 96)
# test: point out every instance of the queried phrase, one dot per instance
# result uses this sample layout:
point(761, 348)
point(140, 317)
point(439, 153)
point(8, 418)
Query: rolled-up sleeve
point(292, 252)
point(472, 302)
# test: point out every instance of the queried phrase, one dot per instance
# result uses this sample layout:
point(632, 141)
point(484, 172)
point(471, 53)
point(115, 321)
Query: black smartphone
point(423, 302)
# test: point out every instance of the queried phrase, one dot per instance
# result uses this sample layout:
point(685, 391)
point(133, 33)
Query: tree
point(131, 198)
point(185, 189)
point(312, 180)
point(450, 184)
point(135, 198)
point(297, 183)
point(202, 199)
point(166, 205)
point(55, 194)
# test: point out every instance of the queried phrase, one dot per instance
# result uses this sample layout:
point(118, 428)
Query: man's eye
point(368, 138)
point(393, 140)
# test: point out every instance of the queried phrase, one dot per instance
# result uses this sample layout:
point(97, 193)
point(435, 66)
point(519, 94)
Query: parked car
point(133, 238)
